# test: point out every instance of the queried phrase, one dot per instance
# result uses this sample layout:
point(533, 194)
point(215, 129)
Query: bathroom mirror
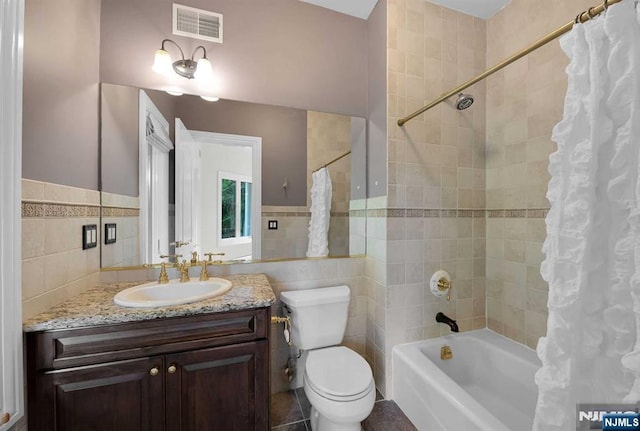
point(223, 177)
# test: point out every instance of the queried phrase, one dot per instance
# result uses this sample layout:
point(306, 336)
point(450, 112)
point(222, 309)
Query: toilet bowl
point(340, 387)
point(337, 381)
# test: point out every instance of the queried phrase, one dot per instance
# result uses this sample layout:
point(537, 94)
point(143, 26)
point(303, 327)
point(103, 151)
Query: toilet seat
point(338, 373)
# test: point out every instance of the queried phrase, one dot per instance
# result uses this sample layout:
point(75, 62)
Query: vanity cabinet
point(208, 372)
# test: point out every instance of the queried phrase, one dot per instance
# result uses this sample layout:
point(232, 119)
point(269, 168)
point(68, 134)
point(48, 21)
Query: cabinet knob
point(154, 371)
point(172, 369)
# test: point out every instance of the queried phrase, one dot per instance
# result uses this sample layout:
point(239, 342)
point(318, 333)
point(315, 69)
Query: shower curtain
point(320, 213)
point(591, 353)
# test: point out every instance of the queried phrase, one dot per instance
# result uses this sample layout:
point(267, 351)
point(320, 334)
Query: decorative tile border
point(453, 213)
point(518, 213)
point(48, 209)
point(120, 212)
point(537, 213)
point(300, 214)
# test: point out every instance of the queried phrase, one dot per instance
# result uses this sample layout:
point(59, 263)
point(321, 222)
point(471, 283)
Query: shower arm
point(582, 17)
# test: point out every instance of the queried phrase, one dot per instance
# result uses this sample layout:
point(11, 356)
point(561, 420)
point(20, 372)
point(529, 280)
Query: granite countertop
point(96, 306)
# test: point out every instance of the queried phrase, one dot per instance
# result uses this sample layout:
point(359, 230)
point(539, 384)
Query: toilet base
point(322, 423)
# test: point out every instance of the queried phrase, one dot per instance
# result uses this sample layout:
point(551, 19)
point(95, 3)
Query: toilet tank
point(318, 316)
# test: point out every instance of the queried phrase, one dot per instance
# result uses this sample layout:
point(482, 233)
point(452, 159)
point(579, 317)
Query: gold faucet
point(184, 271)
point(204, 274)
point(446, 353)
point(164, 277)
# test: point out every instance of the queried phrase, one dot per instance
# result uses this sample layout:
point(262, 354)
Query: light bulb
point(204, 71)
point(210, 98)
point(162, 64)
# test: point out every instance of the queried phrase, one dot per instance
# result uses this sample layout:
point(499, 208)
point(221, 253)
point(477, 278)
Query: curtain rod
point(582, 17)
point(333, 161)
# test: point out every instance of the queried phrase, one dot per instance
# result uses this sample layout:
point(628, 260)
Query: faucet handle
point(169, 256)
point(179, 244)
point(210, 255)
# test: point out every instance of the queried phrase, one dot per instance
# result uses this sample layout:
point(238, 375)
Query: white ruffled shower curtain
point(591, 353)
point(320, 213)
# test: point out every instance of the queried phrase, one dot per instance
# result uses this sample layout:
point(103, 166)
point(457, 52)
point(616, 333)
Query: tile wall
point(289, 275)
point(524, 102)
point(329, 137)
point(435, 213)
point(291, 238)
point(54, 265)
point(124, 211)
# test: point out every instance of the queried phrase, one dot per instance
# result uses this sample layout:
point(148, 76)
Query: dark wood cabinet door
point(219, 389)
point(114, 396)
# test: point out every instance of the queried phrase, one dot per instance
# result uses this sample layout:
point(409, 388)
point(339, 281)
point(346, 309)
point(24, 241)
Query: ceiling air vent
point(197, 23)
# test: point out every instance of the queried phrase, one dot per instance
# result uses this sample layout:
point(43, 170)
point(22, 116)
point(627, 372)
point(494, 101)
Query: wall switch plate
point(272, 224)
point(110, 231)
point(89, 236)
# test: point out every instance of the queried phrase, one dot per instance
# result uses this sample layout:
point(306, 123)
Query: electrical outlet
point(272, 224)
point(89, 236)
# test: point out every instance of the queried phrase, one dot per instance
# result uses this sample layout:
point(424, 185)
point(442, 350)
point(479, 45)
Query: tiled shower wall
point(524, 102)
point(54, 265)
point(435, 213)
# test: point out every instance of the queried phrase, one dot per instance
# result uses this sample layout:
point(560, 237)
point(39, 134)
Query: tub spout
point(443, 318)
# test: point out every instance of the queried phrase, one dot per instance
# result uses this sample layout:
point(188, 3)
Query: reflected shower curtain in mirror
point(591, 353)
point(320, 212)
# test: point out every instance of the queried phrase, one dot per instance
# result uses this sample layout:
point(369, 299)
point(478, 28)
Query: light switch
point(89, 236)
point(272, 224)
point(109, 233)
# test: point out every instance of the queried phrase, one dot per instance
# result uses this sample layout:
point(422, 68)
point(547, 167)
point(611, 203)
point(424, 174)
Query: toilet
point(337, 381)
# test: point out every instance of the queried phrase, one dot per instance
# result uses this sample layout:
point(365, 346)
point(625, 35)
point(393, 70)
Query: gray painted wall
point(377, 101)
point(358, 158)
point(277, 52)
point(119, 143)
point(60, 105)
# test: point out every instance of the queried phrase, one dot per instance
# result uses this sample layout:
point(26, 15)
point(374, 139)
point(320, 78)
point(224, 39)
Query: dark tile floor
point(290, 411)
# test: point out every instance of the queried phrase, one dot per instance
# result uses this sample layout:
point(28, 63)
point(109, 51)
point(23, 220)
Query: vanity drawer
point(92, 345)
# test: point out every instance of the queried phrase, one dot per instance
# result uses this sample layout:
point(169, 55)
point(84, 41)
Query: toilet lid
point(338, 371)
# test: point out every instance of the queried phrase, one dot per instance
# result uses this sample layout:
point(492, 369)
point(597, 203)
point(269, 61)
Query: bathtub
point(488, 385)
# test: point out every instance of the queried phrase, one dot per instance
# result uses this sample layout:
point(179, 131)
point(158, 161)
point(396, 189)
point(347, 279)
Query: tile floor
point(290, 412)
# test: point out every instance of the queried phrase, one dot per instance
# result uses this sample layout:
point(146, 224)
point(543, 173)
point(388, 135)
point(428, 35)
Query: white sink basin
point(172, 293)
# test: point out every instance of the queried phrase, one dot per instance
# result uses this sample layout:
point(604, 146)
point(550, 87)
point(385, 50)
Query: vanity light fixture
point(186, 67)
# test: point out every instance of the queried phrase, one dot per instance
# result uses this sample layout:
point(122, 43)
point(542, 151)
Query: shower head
point(464, 101)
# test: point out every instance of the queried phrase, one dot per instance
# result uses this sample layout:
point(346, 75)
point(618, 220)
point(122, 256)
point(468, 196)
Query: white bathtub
point(488, 385)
